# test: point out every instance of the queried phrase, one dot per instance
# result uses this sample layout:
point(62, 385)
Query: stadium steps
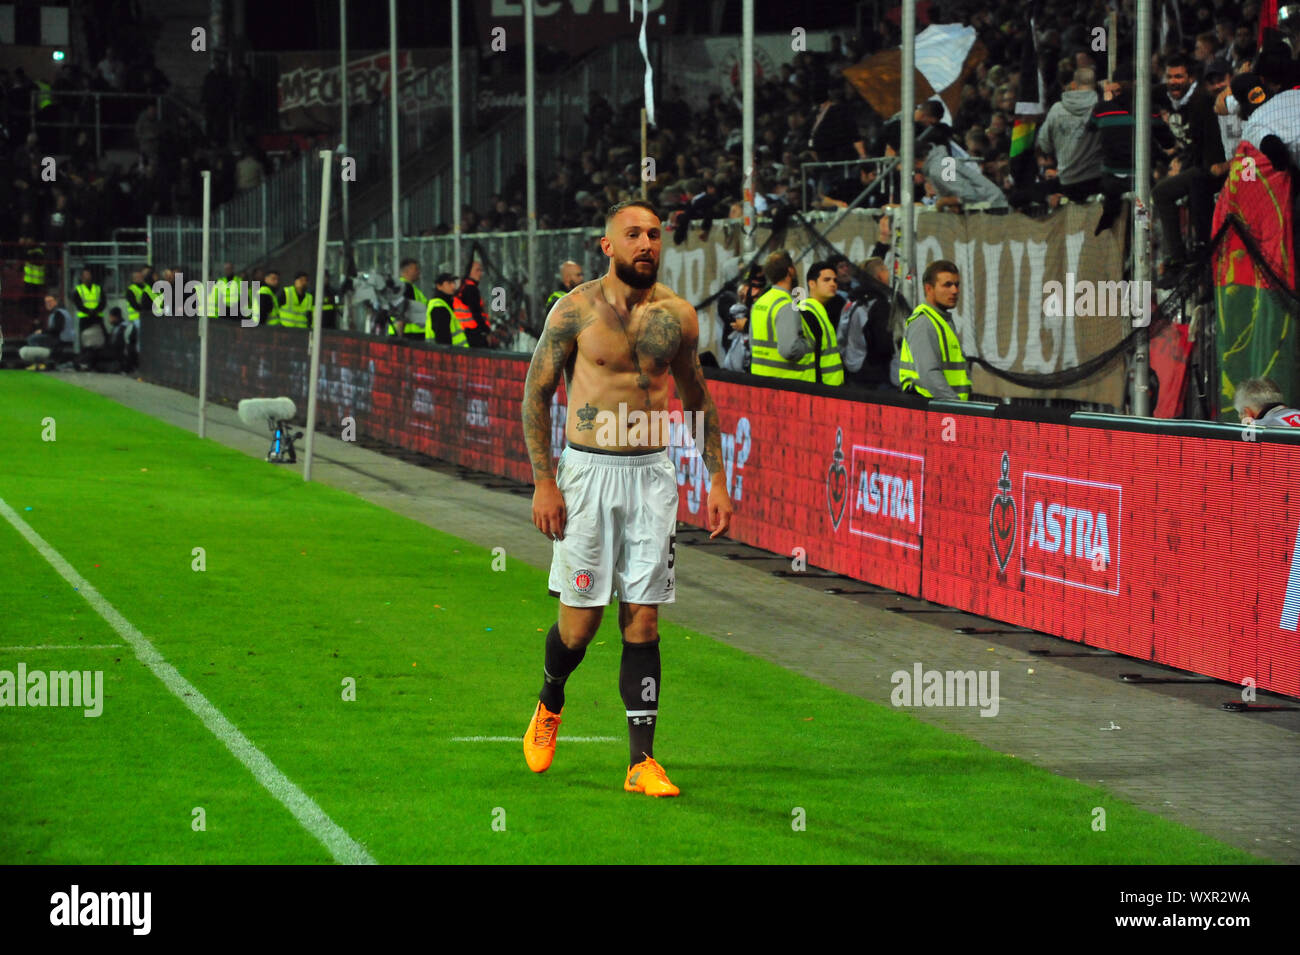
point(369, 203)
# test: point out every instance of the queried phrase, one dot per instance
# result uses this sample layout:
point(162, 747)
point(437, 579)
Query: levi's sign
point(1070, 531)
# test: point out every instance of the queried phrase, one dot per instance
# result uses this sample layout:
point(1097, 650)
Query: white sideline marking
point(520, 739)
point(66, 646)
point(340, 845)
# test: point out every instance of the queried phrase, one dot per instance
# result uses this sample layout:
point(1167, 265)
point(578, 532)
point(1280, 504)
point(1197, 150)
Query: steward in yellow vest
point(138, 297)
point(88, 296)
point(268, 299)
point(33, 266)
point(441, 324)
point(827, 362)
point(225, 294)
point(783, 344)
point(297, 308)
point(570, 278)
point(412, 292)
point(931, 362)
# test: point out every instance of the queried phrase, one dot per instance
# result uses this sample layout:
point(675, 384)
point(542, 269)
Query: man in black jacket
point(1189, 112)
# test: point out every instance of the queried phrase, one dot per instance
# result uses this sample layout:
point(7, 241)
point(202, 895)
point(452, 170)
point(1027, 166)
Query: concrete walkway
point(1167, 748)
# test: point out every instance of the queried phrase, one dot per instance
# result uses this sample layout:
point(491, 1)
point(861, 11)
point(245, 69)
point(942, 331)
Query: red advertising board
point(1181, 548)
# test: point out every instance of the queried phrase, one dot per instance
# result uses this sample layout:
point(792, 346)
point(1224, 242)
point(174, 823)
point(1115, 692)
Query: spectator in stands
point(1270, 120)
point(1217, 76)
point(956, 182)
point(148, 135)
point(834, 135)
point(1112, 118)
point(1260, 400)
point(248, 171)
point(1065, 136)
point(1201, 168)
point(112, 70)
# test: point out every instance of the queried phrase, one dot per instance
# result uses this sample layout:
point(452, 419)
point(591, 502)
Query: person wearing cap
point(440, 321)
point(1270, 121)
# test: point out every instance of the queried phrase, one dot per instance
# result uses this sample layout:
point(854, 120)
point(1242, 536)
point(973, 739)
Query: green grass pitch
point(306, 586)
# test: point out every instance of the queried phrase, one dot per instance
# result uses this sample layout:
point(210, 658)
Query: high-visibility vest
point(468, 320)
point(43, 98)
point(136, 295)
point(227, 288)
point(92, 300)
point(34, 267)
point(828, 365)
point(156, 303)
point(268, 306)
point(422, 299)
point(296, 311)
point(765, 357)
point(555, 297)
point(953, 361)
point(445, 314)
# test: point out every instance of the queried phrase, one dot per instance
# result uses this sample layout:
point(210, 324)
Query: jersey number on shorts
point(672, 551)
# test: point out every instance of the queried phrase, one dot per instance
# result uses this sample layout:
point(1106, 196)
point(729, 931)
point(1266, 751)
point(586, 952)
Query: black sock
point(638, 682)
point(560, 662)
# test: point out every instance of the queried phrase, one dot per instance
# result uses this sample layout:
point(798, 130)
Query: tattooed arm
point(554, 348)
point(694, 393)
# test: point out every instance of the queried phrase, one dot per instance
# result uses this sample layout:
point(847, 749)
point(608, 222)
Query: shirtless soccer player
point(611, 504)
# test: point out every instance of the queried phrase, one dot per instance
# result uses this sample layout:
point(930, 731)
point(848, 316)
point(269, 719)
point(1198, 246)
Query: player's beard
point(628, 275)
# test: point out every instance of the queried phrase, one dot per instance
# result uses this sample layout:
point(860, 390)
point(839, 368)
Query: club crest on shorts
point(582, 581)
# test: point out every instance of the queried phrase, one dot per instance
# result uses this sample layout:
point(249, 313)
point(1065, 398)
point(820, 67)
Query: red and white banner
point(1158, 544)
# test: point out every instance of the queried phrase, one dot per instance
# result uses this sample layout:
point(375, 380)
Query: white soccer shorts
point(621, 528)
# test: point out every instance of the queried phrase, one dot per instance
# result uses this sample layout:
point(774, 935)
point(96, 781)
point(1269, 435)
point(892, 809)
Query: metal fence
point(287, 202)
point(504, 256)
point(110, 118)
point(561, 111)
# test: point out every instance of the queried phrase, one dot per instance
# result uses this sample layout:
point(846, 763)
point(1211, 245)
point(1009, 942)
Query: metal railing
point(504, 255)
point(838, 164)
point(91, 109)
point(286, 203)
point(561, 111)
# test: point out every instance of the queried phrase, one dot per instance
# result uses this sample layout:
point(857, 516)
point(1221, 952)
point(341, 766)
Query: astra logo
point(1074, 531)
point(887, 495)
point(1079, 531)
point(887, 489)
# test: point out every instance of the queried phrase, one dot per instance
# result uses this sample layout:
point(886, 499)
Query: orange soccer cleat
point(539, 741)
point(649, 777)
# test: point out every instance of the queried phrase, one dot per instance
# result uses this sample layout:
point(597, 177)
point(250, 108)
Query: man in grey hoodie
point(957, 180)
point(1066, 138)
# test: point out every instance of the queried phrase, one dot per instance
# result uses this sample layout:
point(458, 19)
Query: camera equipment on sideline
point(277, 414)
point(386, 303)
